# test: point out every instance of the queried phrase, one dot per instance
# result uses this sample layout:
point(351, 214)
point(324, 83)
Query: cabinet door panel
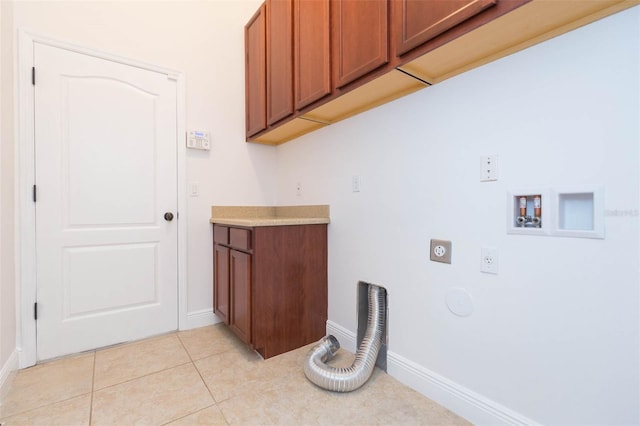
point(360, 39)
point(255, 74)
point(312, 50)
point(221, 282)
point(279, 60)
point(417, 21)
point(240, 273)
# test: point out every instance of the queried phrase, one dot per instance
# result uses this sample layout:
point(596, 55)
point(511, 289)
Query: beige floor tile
point(257, 407)
point(382, 401)
point(121, 363)
point(209, 416)
point(289, 361)
point(155, 382)
point(233, 372)
point(300, 401)
point(72, 412)
point(206, 341)
point(154, 399)
point(48, 383)
point(413, 408)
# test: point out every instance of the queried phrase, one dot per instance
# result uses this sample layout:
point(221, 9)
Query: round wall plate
point(460, 302)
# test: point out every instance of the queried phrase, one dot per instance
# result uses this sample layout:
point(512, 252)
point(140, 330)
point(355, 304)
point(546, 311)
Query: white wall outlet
point(489, 260)
point(298, 189)
point(355, 183)
point(488, 168)
point(440, 251)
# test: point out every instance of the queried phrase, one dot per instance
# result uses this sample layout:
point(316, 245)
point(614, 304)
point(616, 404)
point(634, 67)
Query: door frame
point(26, 277)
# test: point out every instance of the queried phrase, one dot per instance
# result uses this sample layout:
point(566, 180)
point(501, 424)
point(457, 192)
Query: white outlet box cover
point(459, 302)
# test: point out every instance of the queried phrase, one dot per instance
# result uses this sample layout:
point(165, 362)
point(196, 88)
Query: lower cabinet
point(270, 284)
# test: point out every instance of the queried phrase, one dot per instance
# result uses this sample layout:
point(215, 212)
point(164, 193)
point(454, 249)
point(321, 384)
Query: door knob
point(168, 216)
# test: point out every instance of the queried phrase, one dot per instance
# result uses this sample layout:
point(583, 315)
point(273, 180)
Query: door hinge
point(34, 194)
point(33, 75)
point(35, 311)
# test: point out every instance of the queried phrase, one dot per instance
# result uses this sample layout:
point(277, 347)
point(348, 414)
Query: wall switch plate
point(194, 189)
point(355, 183)
point(440, 251)
point(489, 260)
point(488, 168)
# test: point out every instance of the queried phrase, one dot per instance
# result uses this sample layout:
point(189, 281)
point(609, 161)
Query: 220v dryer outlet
point(440, 251)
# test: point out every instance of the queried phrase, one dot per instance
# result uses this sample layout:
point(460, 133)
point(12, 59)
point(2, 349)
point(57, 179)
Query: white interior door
point(105, 148)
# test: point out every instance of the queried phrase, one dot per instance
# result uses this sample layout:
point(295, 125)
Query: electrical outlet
point(488, 168)
point(440, 251)
point(489, 260)
point(298, 189)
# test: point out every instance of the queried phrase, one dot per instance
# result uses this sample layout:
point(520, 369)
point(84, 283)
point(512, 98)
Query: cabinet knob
point(168, 216)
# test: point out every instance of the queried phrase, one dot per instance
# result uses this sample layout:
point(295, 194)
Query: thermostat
point(198, 139)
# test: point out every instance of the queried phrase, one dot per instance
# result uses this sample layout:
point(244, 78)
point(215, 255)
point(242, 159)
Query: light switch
point(355, 183)
point(194, 189)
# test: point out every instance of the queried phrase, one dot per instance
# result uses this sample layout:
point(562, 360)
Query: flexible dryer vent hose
point(350, 378)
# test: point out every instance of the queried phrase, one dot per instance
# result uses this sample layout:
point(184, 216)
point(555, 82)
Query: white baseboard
point(466, 403)
point(7, 373)
point(462, 401)
point(346, 337)
point(200, 319)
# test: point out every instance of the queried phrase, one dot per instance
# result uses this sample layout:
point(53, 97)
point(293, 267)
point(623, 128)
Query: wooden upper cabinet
point(418, 21)
point(312, 64)
point(279, 60)
point(360, 38)
point(255, 73)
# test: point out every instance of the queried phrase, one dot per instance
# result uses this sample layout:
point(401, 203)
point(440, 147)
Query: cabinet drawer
point(220, 234)
point(240, 238)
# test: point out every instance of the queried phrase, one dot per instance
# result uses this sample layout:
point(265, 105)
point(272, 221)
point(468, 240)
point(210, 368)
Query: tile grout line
point(197, 370)
point(215, 402)
point(144, 375)
point(175, 333)
point(187, 415)
point(93, 382)
point(39, 407)
point(184, 347)
point(195, 367)
point(69, 398)
point(190, 361)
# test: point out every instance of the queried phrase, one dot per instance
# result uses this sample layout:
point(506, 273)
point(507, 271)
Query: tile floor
point(203, 376)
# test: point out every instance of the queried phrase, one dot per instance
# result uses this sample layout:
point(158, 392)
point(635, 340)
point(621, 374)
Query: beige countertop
point(269, 215)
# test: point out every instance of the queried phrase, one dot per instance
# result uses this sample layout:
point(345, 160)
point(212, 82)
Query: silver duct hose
point(350, 378)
